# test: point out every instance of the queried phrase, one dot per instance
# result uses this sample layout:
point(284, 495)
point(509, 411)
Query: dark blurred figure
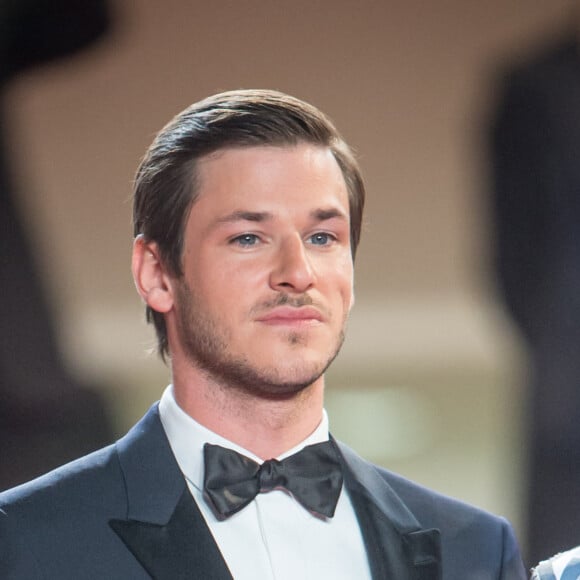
point(536, 161)
point(46, 418)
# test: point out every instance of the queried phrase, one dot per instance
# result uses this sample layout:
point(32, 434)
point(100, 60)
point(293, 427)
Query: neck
point(265, 426)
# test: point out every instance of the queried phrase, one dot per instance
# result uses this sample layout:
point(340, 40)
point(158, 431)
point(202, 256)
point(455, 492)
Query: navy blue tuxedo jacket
point(125, 513)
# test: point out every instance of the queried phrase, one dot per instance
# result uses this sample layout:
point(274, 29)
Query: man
point(247, 215)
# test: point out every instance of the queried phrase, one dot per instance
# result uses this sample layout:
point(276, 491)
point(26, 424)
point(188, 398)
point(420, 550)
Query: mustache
point(284, 299)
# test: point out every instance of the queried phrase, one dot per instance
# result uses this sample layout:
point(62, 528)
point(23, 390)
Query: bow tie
point(313, 476)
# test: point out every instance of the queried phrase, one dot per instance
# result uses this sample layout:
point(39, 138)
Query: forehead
point(270, 174)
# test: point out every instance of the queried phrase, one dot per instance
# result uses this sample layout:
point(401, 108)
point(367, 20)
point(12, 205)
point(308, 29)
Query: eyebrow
point(249, 216)
point(320, 215)
point(328, 214)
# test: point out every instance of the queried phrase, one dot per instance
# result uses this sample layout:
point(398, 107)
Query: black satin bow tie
point(313, 476)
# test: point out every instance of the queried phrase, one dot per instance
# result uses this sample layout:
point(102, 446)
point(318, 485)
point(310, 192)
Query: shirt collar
point(187, 437)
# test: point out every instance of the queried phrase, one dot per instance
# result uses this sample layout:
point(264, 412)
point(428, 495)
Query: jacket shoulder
point(57, 526)
point(432, 507)
point(473, 541)
point(75, 487)
point(89, 481)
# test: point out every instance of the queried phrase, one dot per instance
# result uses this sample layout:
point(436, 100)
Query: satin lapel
point(164, 528)
point(181, 549)
point(397, 545)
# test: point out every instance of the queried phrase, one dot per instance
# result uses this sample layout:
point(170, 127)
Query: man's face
point(268, 271)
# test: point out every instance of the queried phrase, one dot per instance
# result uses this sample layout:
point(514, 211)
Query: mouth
point(291, 316)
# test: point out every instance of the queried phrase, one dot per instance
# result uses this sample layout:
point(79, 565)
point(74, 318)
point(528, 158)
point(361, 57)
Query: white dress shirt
point(274, 537)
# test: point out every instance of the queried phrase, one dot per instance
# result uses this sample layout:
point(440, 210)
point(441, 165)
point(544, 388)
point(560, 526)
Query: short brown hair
point(165, 184)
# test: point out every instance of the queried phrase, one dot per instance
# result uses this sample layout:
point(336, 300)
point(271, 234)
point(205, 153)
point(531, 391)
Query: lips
point(287, 315)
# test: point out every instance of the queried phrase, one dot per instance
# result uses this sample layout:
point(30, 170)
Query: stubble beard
point(206, 346)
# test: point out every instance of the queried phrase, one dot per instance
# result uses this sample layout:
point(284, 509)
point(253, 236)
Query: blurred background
point(436, 377)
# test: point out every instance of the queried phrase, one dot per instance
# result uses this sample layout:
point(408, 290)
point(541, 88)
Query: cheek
point(348, 286)
point(214, 272)
point(231, 289)
point(244, 276)
point(338, 283)
point(345, 274)
point(349, 298)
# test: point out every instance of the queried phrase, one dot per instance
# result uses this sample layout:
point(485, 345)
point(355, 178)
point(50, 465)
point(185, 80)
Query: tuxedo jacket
point(125, 513)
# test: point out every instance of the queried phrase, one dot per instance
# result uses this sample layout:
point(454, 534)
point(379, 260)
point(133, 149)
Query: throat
point(266, 426)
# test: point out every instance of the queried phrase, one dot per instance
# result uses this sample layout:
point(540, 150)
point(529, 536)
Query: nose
point(292, 270)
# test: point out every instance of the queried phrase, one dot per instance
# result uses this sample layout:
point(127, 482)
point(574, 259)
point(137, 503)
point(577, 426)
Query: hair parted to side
point(165, 184)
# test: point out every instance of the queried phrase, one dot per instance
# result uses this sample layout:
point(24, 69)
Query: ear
point(152, 281)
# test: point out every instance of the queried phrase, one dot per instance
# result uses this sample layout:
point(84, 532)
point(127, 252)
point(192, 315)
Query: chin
point(301, 375)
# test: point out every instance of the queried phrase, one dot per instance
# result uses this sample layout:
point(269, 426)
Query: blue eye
point(246, 240)
point(321, 239)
